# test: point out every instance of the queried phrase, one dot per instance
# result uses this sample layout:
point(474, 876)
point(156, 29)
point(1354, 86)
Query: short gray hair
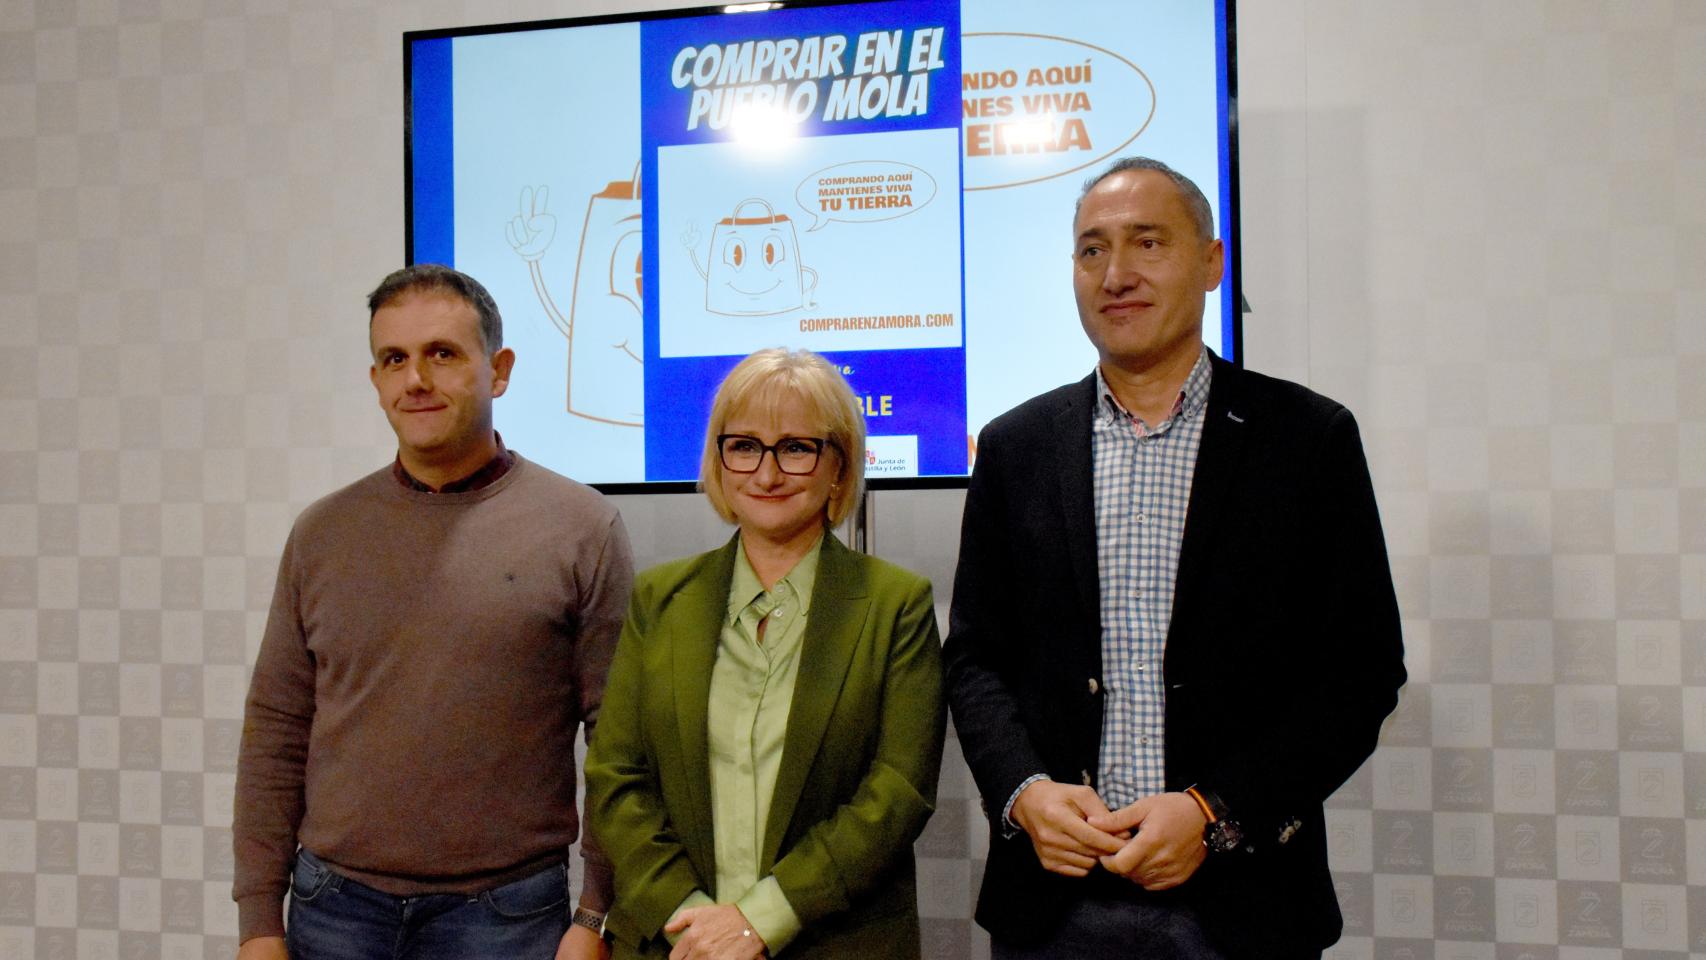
point(1189, 192)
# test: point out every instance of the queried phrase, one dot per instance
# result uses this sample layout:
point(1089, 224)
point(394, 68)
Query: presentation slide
point(890, 184)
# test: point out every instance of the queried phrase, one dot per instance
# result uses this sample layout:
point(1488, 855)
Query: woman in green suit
point(772, 727)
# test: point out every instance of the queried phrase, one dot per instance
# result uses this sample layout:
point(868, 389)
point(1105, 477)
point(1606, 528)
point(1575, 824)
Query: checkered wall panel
point(1480, 224)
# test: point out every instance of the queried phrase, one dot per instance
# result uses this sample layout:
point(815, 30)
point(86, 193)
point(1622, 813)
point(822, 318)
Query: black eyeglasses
point(794, 455)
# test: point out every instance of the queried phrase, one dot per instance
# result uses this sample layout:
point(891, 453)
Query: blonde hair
point(766, 383)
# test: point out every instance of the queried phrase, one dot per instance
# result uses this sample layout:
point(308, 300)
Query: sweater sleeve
point(272, 760)
point(609, 581)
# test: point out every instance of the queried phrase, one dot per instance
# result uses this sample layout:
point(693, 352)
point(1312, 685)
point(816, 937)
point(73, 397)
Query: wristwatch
point(1222, 833)
point(590, 919)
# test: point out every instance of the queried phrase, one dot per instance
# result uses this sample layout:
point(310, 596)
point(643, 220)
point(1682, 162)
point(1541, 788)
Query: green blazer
point(859, 760)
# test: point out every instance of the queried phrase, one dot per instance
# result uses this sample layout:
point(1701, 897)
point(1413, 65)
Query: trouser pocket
point(309, 877)
point(541, 893)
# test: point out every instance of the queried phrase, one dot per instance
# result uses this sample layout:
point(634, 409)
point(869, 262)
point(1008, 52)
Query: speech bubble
point(1040, 107)
point(864, 191)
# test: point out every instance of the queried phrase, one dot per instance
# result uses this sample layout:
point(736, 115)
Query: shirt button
point(1140, 668)
point(1142, 519)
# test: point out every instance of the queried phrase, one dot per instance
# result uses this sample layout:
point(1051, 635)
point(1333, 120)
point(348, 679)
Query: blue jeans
point(335, 918)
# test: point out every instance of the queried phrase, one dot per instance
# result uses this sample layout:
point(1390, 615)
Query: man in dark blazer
point(1173, 630)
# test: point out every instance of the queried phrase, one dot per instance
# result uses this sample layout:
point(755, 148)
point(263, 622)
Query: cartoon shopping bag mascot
point(603, 323)
point(754, 266)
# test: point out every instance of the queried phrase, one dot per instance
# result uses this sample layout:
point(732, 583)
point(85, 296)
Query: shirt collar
point(745, 588)
point(483, 477)
point(1192, 395)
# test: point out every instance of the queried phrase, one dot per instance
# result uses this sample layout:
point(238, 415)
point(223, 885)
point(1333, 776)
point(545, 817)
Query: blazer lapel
point(1072, 461)
point(1219, 459)
point(694, 625)
point(833, 628)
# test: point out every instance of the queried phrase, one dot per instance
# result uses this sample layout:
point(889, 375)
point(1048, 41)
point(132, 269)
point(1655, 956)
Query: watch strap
point(590, 919)
point(1203, 803)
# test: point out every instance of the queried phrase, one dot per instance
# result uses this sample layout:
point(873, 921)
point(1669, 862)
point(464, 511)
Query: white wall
point(1480, 224)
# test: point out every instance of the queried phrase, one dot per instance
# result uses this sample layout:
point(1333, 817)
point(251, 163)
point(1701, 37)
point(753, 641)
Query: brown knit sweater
point(426, 662)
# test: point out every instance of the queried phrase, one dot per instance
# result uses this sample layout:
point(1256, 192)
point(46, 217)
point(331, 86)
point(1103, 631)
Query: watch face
point(1224, 836)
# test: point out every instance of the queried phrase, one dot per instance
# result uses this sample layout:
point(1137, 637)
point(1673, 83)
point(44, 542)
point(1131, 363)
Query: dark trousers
point(1114, 929)
point(335, 918)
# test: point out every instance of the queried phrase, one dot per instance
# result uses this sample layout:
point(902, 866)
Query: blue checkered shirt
point(1142, 485)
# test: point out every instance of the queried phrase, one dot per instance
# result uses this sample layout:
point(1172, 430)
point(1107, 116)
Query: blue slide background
point(928, 386)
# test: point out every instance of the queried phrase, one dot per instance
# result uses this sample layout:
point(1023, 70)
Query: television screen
point(891, 184)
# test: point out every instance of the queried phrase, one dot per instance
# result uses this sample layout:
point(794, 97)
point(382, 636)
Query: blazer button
point(1086, 775)
point(1095, 687)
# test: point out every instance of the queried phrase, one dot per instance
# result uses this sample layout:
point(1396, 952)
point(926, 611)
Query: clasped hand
point(716, 932)
point(1155, 843)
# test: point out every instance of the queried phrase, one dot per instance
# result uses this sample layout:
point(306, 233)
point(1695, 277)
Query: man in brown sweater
point(439, 630)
